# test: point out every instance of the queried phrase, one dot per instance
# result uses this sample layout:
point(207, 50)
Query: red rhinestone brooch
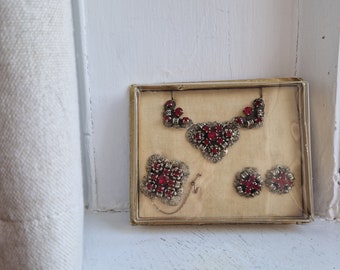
point(164, 179)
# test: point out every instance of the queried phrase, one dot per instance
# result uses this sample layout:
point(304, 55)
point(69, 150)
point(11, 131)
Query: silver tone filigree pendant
point(213, 138)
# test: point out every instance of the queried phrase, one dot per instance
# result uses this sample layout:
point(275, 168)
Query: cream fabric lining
point(277, 142)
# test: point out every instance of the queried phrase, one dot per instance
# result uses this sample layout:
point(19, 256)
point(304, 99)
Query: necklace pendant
point(213, 138)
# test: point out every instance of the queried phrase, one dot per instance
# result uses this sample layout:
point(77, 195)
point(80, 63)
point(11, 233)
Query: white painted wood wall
point(147, 41)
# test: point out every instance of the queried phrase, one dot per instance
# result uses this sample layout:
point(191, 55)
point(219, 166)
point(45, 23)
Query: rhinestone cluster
point(164, 179)
point(280, 179)
point(254, 116)
point(172, 116)
point(213, 138)
point(248, 182)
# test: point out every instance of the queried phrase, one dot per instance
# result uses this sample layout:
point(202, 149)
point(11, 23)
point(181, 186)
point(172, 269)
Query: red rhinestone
point(198, 136)
point(170, 194)
point(214, 150)
point(166, 172)
point(206, 129)
point(162, 179)
point(258, 103)
point(282, 181)
point(178, 112)
point(218, 128)
point(149, 186)
point(206, 142)
point(169, 104)
point(258, 120)
point(228, 134)
point(239, 120)
point(212, 135)
point(185, 120)
point(154, 176)
point(160, 189)
point(171, 183)
point(167, 118)
point(156, 166)
point(248, 110)
point(220, 141)
point(176, 173)
point(250, 185)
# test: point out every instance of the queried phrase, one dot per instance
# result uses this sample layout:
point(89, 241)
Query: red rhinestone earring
point(280, 179)
point(248, 182)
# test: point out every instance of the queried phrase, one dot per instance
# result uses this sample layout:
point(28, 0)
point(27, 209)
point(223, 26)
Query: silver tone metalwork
point(280, 179)
point(213, 138)
point(194, 189)
point(172, 116)
point(248, 182)
point(164, 179)
point(254, 116)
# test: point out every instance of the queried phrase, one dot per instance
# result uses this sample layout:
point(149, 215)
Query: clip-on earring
point(248, 182)
point(280, 179)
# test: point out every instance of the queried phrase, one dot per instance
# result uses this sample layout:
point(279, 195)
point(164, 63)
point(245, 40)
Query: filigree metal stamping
point(280, 179)
point(164, 179)
point(248, 182)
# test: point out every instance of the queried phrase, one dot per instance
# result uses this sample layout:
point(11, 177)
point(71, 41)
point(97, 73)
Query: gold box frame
point(301, 88)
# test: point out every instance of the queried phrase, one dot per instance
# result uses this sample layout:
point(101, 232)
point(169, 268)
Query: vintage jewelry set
point(165, 178)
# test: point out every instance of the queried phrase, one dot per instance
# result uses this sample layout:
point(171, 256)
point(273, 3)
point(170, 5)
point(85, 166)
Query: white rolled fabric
point(41, 204)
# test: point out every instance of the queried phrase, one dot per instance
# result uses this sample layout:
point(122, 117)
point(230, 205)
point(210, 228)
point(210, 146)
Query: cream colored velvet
point(277, 142)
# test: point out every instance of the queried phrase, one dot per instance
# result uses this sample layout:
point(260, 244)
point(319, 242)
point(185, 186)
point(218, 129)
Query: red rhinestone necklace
point(213, 138)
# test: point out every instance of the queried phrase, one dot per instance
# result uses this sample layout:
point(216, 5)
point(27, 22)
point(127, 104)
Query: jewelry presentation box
point(220, 152)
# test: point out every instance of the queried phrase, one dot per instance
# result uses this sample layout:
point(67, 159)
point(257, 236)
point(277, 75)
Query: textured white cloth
point(41, 207)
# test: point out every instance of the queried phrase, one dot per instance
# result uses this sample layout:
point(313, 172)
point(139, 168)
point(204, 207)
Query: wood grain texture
point(168, 41)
